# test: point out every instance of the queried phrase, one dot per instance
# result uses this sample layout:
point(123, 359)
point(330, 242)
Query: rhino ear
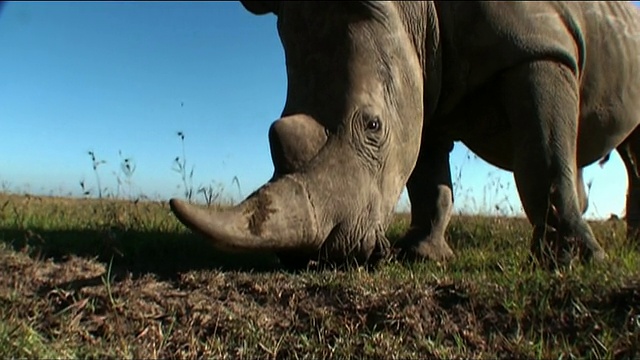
point(261, 7)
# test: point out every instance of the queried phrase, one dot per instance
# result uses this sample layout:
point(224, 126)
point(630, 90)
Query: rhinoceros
point(379, 91)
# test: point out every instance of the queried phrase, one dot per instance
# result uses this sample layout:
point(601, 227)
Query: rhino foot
point(553, 250)
point(419, 248)
point(382, 252)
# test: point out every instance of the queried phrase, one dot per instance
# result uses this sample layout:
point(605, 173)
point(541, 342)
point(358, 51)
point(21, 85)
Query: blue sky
point(115, 77)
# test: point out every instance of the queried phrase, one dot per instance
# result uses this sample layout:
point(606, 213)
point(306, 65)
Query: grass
point(102, 278)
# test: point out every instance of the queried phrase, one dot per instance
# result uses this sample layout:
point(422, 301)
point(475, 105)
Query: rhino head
point(352, 70)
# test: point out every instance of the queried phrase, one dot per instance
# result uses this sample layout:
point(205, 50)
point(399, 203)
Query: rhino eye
point(373, 124)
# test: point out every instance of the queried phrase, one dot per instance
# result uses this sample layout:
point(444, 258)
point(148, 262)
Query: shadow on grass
point(139, 253)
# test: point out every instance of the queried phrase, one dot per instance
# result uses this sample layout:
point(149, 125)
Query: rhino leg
point(629, 151)
point(294, 141)
point(429, 189)
point(583, 199)
point(541, 101)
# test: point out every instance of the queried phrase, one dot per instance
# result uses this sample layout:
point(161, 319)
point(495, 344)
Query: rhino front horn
point(278, 216)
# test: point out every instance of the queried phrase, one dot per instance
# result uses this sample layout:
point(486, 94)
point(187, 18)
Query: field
point(124, 279)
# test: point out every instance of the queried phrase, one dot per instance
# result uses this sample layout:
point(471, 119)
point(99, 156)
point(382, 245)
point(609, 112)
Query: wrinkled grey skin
point(379, 91)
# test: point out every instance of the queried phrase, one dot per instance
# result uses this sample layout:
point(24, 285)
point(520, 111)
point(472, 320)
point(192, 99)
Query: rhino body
point(379, 91)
